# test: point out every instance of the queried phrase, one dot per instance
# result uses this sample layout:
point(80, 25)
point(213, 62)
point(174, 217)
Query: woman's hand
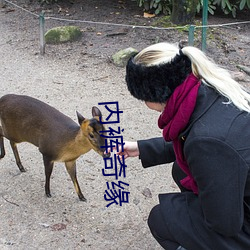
point(130, 149)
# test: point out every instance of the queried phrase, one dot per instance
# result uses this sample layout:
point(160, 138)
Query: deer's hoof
point(82, 198)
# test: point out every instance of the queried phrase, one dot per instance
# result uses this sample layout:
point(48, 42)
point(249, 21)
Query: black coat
point(216, 145)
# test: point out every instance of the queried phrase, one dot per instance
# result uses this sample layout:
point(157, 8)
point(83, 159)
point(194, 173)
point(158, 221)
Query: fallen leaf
point(147, 15)
point(58, 227)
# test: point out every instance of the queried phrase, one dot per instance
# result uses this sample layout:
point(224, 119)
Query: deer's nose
point(106, 155)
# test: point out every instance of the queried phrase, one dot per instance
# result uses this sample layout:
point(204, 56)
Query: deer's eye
point(91, 136)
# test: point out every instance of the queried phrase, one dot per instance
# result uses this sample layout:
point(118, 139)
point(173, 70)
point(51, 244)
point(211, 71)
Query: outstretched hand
point(130, 149)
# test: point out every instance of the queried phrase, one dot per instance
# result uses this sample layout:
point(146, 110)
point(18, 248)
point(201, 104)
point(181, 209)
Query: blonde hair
point(202, 67)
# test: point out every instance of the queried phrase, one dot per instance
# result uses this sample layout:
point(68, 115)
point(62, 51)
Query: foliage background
point(164, 6)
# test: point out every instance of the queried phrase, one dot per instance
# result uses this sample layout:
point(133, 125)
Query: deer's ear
point(96, 112)
point(80, 118)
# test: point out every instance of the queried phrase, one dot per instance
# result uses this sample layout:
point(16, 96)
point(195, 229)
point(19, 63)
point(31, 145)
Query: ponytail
point(218, 78)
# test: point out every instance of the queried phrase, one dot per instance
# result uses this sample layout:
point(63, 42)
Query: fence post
point(191, 35)
point(42, 31)
point(204, 24)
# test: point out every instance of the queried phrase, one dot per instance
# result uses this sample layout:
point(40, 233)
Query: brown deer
point(59, 138)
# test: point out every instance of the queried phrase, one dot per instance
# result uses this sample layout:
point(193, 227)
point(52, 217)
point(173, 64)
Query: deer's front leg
point(71, 168)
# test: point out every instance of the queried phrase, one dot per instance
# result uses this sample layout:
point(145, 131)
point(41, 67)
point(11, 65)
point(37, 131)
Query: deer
point(58, 138)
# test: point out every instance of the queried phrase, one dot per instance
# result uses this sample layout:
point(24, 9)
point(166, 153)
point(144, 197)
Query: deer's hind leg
point(71, 168)
point(1, 144)
point(15, 151)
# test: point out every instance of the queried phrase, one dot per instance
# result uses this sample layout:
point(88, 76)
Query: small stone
point(44, 225)
point(136, 201)
point(62, 34)
point(147, 193)
point(121, 58)
point(239, 76)
point(2, 3)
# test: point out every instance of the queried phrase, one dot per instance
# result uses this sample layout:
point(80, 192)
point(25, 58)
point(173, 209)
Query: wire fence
point(191, 28)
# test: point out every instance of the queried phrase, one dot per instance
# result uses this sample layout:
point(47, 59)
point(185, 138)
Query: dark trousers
point(156, 222)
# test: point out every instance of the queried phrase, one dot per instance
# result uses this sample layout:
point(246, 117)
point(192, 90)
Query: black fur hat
point(156, 83)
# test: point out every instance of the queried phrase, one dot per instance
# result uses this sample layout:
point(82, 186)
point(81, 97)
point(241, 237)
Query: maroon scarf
point(174, 119)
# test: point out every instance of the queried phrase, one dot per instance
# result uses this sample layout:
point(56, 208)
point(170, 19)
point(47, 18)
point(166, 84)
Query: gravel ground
point(77, 76)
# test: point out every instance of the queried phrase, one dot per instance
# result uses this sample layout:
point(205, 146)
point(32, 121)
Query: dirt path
point(71, 81)
point(76, 77)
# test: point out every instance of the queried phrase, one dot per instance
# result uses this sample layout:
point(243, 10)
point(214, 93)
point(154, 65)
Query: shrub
point(165, 6)
point(157, 6)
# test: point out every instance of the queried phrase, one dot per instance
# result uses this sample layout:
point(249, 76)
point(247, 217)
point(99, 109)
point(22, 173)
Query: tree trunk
point(183, 11)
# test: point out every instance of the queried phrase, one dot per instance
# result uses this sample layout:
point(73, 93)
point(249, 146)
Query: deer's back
point(24, 118)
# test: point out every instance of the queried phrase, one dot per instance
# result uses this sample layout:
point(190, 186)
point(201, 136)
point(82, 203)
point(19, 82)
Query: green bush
point(156, 6)
point(232, 6)
point(211, 7)
point(165, 6)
